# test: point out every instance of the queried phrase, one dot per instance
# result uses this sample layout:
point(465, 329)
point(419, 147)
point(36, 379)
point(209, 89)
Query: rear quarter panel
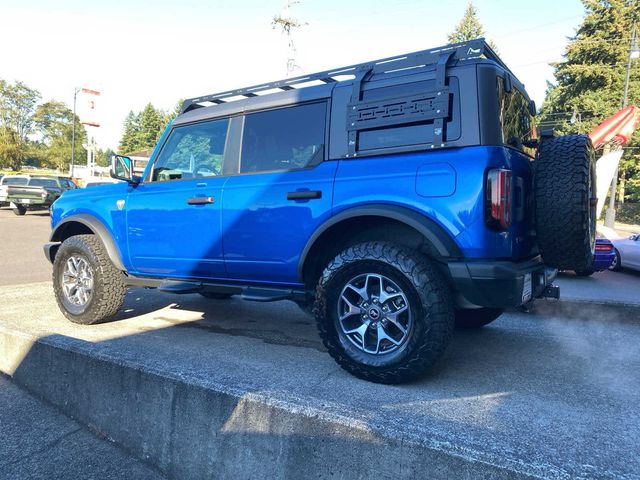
point(392, 179)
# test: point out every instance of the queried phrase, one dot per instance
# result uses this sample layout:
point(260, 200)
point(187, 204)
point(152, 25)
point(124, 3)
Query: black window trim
point(516, 88)
point(325, 153)
point(233, 144)
point(149, 172)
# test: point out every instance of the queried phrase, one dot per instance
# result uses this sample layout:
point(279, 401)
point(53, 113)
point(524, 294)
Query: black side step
point(179, 287)
point(251, 293)
point(258, 294)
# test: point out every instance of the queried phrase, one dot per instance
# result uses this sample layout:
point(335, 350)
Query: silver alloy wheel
point(77, 281)
point(374, 314)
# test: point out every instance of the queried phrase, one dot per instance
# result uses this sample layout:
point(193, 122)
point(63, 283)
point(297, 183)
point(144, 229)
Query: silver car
point(627, 253)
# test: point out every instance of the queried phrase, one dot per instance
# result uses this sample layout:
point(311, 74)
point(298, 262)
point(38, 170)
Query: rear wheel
point(384, 312)
point(565, 202)
point(616, 266)
point(88, 287)
point(476, 317)
point(20, 210)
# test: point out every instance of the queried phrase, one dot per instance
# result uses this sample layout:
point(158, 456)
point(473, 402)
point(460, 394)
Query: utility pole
point(287, 23)
point(73, 131)
point(634, 52)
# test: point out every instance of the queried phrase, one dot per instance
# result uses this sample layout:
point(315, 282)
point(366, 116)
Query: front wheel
point(384, 312)
point(88, 287)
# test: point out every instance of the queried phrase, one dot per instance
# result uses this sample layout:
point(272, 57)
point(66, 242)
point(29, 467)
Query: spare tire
point(565, 202)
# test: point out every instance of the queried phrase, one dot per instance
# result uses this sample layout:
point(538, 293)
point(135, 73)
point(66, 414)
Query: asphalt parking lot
point(552, 393)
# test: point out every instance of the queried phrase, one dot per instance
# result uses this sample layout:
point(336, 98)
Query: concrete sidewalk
point(39, 442)
point(215, 389)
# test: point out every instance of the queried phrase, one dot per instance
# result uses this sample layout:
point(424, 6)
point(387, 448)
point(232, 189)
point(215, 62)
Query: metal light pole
point(634, 52)
point(73, 131)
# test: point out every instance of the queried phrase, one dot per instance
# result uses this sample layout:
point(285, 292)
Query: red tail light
point(603, 247)
point(499, 200)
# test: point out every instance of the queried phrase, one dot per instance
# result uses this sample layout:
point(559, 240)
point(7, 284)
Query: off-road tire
point(429, 298)
point(108, 286)
point(19, 210)
point(216, 296)
point(470, 318)
point(565, 202)
point(615, 266)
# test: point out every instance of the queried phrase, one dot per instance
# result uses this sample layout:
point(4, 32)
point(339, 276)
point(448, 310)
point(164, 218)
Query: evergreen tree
point(151, 125)
point(589, 83)
point(469, 27)
point(128, 143)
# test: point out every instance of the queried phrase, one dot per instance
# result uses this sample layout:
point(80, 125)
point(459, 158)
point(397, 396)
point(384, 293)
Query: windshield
point(43, 182)
point(14, 181)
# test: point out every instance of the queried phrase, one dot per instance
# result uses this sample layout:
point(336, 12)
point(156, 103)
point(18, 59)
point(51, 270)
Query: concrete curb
point(193, 431)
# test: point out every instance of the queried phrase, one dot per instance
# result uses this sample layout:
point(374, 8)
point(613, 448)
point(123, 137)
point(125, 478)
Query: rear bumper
point(501, 284)
point(602, 261)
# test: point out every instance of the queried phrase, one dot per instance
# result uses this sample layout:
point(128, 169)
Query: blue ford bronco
point(394, 199)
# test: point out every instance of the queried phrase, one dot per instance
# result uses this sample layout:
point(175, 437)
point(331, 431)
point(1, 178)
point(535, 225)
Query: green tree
point(103, 157)
point(11, 151)
point(54, 123)
point(128, 143)
point(17, 106)
point(469, 27)
point(151, 124)
point(589, 83)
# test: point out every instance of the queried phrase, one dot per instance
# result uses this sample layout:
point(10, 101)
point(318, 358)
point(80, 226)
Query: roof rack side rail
point(458, 51)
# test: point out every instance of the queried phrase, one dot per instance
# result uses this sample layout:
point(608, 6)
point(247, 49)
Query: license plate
point(526, 288)
point(25, 200)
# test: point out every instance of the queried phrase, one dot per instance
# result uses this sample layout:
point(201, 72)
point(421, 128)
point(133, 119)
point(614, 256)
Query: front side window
point(192, 151)
point(284, 139)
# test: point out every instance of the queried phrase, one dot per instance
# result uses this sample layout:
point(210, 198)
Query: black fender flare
point(442, 242)
point(98, 228)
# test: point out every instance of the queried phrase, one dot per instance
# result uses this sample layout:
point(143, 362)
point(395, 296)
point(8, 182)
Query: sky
point(135, 52)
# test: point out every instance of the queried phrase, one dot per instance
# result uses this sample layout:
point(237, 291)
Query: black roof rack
point(477, 48)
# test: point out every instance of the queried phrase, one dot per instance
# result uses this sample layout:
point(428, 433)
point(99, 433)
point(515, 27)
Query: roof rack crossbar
point(457, 51)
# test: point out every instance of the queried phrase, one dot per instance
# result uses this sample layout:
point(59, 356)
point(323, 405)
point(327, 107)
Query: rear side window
point(515, 119)
point(43, 182)
point(284, 139)
point(192, 151)
point(14, 181)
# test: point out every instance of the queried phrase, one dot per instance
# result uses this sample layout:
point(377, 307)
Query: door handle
point(304, 195)
point(200, 200)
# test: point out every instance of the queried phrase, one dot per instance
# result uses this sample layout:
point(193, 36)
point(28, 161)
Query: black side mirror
point(532, 108)
point(122, 169)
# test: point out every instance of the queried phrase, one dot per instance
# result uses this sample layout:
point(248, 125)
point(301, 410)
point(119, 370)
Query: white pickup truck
point(11, 180)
